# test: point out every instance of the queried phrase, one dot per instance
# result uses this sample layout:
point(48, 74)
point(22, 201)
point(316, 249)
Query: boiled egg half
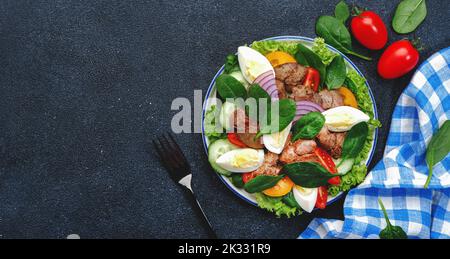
point(343, 118)
point(242, 160)
point(252, 63)
point(305, 197)
point(275, 142)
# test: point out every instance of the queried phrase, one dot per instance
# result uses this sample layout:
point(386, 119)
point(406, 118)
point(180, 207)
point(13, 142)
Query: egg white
point(252, 63)
point(275, 142)
point(233, 160)
point(305, 197)
point(343, 118)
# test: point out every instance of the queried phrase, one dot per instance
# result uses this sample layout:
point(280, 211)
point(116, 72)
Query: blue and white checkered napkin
point(398, 179)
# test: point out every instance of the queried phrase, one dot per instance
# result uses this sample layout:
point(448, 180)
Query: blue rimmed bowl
point(211, 93)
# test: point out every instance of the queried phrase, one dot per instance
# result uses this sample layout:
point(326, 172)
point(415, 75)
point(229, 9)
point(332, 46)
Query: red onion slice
point(305, 107)
point(267, 82)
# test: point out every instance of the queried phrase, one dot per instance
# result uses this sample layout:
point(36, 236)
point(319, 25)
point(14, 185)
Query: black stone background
point(85, 85)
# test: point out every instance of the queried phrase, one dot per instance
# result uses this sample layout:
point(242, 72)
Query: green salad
point(324, 130)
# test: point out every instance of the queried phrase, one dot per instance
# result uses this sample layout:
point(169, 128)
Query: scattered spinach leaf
point(336, 73)
point(278, 117)
point(336, 34)
point(307, 174)
point(390, 232)
point(261, 183)
point(308, 126)
point(307, 57)
point(230, 87)
point(409, 15)
point(342, 12)
point(438, 148)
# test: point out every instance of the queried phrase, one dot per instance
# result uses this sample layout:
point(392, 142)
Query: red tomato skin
point(234, 139)
point(247, 177)
point(398, 59)
point(369, 30)
point(312, 79)
point(327, 162)
point(322, 196)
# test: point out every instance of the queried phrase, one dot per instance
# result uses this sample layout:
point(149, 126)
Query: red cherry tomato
point(312, 78)
point(398, 59)
point(247, 177)
point(369, 30)
point(327, 162)
point(322, 197)
point(234, 139)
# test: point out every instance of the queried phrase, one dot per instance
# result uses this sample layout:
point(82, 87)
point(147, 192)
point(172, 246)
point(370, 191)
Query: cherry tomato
point(398, 59)
point(327, 162)
point(247, 177)
point(283, 187)
point(312, 78)
point(369, 30)
point(234, 139)
point(322, 197)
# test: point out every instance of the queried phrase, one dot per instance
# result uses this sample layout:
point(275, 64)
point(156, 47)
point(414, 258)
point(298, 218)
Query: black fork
point(179, 170)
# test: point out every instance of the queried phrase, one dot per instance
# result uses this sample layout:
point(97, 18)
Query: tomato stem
point(417, 43)
point(357, 10)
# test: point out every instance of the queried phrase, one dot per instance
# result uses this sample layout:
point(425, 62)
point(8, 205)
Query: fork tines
point(171, 156)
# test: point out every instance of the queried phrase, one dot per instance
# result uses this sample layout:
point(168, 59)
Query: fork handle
point(198, 209)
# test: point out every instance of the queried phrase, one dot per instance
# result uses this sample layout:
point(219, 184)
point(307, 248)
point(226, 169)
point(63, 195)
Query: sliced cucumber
point(215, 150)
point(345, 166)
point(227, 110)
point(240, 77)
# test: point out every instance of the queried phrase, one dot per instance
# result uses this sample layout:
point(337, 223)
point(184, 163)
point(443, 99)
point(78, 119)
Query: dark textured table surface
point(85, 85)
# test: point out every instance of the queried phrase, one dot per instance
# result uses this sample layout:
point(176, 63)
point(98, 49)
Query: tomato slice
point(283, 187)
point(322, 196)
point(327, 162)
point(234, 139)
point(247, 177)
point(312, 78)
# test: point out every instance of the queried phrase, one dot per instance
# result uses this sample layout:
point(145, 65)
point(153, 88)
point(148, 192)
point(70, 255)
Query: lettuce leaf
point(231, 64)
point(320, 48)
point(268, 46)
point(212, 131)
point(276, 206)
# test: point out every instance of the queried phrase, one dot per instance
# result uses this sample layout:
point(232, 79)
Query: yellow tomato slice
point(283, 187)
point(279, 58)
point(349, 97)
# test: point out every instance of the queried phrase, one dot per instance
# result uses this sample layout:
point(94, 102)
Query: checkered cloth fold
point(398, 179)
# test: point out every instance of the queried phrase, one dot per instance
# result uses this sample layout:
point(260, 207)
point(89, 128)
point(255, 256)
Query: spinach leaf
point(438, 148)
point(307, 174)
point(409, 15)
point(236, 179)
point(230, 87)
point(258, 93)
point(307, 57)
point(231, 64)
point(336, 73)
point(354, 141)
point(336, 34)
point(341, 12)
point(278, 117)
point(390, 232)
point(289, 200)
point(261, 183)
point(308, 126)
